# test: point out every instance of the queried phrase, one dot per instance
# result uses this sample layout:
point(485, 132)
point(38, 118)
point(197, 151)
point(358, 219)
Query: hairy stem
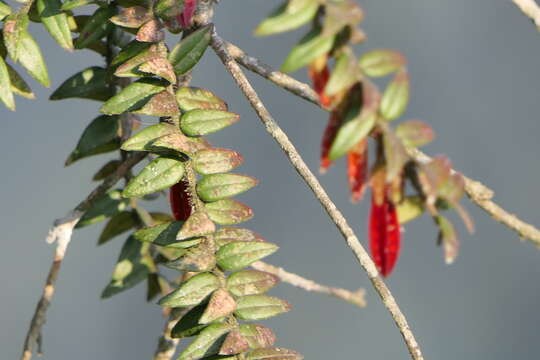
point(337, 217)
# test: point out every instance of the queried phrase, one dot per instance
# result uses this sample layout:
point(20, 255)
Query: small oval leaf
point(160, 174)
point(203, 122)
point(192, 291)
point(238, 255)
point(259, 307)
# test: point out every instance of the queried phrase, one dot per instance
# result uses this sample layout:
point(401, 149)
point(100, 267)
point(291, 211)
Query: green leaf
point(257, 336)
point(191, 98)
point(22, 47)
point(14, 27)
point(192, 291)
point(97, 26)
point(448, 238)
point(5, 10)
point(6, 94)
point(189, 324)
point(395, 155)
point(259, 307)
point(215, 161)
point(56, 22)
point(161, 67)
point(131, 66)
point(131, 50)
point(221, 186)
point(356, 125)
point(118, 224)
point(18, 85)
point(104, 207)
point(133, 97)
point(142, 141)
point(410, 208)
point(169, 10)
point(221, 304)
point(160, 174)
point(234, 344)
point(377, 63)
point(415, 133)
point(198, 258)
point(273, 354)
point(308, 49)
point(187, 53)
point(228, 212)
point(73, 4)
point(396, 96)
point(286, 19)
point(132, 17)
point(344, 75)
point(251, 282)
point(91, 83)
point(227, 235)
point(99, 137)
point(238, 255)
point(197, 225)
point(106, 170)
point(133, 266)
point(203, 122)
point(160, 104)
point(208, 342)
point(165, 235)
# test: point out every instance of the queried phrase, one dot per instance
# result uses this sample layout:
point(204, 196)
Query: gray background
point(474, 69)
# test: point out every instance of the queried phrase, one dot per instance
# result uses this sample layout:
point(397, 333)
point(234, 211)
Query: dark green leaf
point(228, 212)
point(160, 174)
point(97, 26)
point(238, 255)
point(250, 282)
point(259, 307)
point(190, 98)
point(286, 19)
point(129, 51)
point(192, 291)
point(56, 22)
point(308, 49)
point(203, 122)
point(118, 224)
point(208, 342)
point(189, 51)
point(189, 324)
point(133, 97)
point(18, 85)
point(90, 83)
point(104, 207)
point(133, 266)
point(221, 186)
point(99, 137)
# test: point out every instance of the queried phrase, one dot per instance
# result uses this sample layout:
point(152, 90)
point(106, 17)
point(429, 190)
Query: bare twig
point(478, 193)
point(61, 233)
point(296, 160)
point(354, 297)
point(531, 9)
point(167, 345)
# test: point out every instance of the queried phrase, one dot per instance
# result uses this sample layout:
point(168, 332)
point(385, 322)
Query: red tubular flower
point(319, 78)
point(357, 169)
point(384, 235)
point(328, 138)
point(187, 15)
point(180, 201)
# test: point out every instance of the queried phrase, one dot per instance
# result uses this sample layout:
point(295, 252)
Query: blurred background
point(474, 70)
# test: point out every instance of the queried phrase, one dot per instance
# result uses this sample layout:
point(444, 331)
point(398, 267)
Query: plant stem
point(337, 217)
